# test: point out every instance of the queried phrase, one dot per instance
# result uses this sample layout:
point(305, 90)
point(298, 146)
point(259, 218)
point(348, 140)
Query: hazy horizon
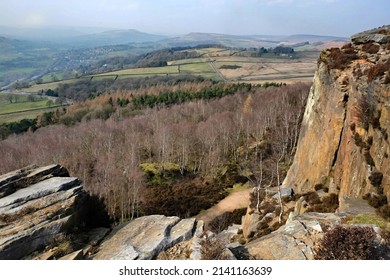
point(173, 17)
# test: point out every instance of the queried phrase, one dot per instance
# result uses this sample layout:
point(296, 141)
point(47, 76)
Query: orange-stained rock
point(341, 143)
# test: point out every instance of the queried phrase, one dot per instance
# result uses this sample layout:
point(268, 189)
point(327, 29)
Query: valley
point(201, 146)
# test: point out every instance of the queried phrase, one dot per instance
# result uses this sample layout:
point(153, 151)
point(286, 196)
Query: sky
point(173, 17)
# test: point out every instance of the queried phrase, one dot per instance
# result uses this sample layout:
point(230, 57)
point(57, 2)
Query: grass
point(18, 116)
point(22, 104)
point(53, 85)
point(142, 71)
point(238, 187)
point(48, 77)
point(185, 61)
point(192, 68)
point(369, 219)
point(209, 50)
point(22, 109)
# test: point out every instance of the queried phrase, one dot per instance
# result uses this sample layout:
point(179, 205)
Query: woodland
point(169, 147)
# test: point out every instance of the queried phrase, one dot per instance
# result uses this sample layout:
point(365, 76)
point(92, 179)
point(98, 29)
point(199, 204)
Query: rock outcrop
point(38, 207)
point(343, 144)
point(144, 238)
point(294, 240)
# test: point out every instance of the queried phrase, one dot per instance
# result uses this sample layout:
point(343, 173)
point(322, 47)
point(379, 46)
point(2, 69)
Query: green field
point(189, 60)
point(21, 108)
point(187, 67)
point(142, 71)
point(255, 69)
point(15, 117)
point(197, 68)
point(46, 86)
point(49, 77)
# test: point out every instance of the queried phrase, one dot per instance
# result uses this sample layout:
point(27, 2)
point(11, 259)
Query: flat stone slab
point(355, 206)
point(38, 190)
point(145, 237)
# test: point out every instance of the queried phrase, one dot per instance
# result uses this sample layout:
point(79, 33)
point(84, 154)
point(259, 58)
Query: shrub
point(230, 67)
point(376, 178)
point(329, 204)
point(347, 243)
point(267, 207)
point(368, 158)
point(212, 249)
point(318, 187)
point(378, 70)
point(358, 140)
point(387, 78)
point(257, 194)
point(312, 198)
point(341, 58)
point(370, 141)
point(377, 201)
point(384, 211)
point(376, 120)
point(371, 48)
point(367, 196)
point(225, 220)
point(364, 111)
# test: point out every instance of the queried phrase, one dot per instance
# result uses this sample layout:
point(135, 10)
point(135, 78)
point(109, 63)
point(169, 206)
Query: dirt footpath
point(236, 200)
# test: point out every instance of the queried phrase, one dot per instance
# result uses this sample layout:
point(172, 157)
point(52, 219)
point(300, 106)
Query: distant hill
point(90, 37)
point(246, 41)
point(114, 37)
point(82, 37)
point(45, 33)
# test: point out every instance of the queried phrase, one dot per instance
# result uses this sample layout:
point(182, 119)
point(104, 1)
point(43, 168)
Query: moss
point(238, 187)
point(160, 173)
point(149, 168)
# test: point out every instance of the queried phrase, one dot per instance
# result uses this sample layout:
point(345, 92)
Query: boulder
point(144, 238)
point(294, 240)
point(284, 193)
point(379, 35)
point(249, 223)
point(275, 246)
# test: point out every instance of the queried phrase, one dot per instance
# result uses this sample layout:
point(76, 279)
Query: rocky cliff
point(40, 208)
point(343, 144)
